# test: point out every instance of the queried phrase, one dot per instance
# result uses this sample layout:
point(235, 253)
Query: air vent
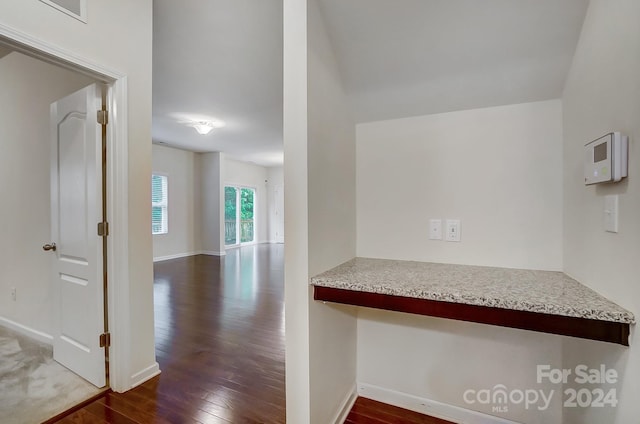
point(74, 8)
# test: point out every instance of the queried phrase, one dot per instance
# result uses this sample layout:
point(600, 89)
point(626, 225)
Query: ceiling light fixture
point(205, 127)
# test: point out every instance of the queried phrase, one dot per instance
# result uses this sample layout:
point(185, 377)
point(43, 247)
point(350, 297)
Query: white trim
point(186, 254)
point(238, 211)
point(27, 331)
point(345, 406)
point(163, 203)
point(82, 16)
point(51, 53)
point(118, 244)
point(144, 375)
point(427, 406)
point(176, 256)
point(211, 253)
point(246, 244)
point(118, 190)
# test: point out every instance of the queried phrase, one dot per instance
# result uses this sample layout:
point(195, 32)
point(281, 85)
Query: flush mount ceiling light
point(205, 127)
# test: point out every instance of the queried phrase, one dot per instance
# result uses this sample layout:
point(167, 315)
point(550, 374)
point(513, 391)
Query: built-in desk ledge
point(545, 301)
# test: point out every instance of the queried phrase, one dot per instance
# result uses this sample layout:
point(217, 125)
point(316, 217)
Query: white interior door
point(76, 209)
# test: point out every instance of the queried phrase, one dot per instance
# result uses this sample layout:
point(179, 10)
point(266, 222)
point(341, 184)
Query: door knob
point(48, 247)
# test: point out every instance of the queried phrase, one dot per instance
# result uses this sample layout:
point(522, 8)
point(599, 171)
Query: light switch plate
point(435, 229)
point(453, 230)
point(611, 213)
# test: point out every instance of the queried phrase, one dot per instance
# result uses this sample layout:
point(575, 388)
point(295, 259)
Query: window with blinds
point(159, 203)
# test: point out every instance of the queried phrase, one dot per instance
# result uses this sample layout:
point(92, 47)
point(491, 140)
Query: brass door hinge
point(103, 117)
point(103, 229)
point(105, 339)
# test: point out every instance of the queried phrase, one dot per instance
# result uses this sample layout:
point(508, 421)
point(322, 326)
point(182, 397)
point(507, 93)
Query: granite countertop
point(546, 292)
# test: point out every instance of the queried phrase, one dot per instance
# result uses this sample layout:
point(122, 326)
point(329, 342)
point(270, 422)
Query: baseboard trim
point(205, 252)
point(176, 256)
point(184, 255)
point(429, 407)
point(144, 375)
point(27, 331)
point(346, 405)
point(211, 253)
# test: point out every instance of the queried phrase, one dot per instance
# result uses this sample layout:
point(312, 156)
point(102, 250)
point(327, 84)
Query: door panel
point(76, 208)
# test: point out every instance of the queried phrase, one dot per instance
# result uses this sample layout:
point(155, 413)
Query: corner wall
point(331, 164)
point(179, 168)
point(275, 204)
point(319, 146)
point(211, 167)
point(296, 247)
point(602, 94)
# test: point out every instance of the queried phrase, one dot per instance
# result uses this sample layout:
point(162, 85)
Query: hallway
point(219, 327)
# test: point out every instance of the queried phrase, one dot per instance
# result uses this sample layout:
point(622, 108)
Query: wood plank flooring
point(367, 411)
point(219, 328)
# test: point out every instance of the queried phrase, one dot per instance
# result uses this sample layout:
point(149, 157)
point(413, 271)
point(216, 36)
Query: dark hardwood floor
point(367, 411)
point(219, 328)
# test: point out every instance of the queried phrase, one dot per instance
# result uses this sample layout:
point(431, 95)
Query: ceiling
point(222, 60)
point(219, 60)
point(417, 57)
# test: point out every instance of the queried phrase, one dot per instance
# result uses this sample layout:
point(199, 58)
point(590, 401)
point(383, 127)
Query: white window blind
point(159, 218)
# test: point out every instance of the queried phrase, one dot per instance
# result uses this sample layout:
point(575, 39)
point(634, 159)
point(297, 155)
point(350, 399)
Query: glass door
point(239, 212)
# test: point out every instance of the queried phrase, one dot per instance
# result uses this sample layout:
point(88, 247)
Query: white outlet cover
point(453, 230)
point(611, 213)
point(435, 229)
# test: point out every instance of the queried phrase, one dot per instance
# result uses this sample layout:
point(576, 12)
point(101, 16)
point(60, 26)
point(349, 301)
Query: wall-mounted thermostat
point(605, 159)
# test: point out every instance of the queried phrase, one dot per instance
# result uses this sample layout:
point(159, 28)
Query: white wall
point(602, 94)
point(211, 169)
point(332, 222)
point(296, 247)
point(127, 24)
point(275, 204)
point(28, 87)
point(252, 176)
point(498, 170)
point(319, 175)
point(439, 359)
point(179, 168)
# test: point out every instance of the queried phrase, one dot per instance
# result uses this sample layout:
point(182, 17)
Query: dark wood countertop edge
point(592, 329)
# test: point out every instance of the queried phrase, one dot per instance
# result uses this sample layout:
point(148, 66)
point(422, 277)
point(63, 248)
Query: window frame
point(163, 204)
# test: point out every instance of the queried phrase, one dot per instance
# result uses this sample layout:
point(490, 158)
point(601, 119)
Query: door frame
point(117, 189)
point(239, 243)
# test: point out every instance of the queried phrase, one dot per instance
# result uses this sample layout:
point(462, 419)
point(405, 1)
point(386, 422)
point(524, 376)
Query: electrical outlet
point(13, 294)
point(435, 229)
point(453, 230)
point(611, 213)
